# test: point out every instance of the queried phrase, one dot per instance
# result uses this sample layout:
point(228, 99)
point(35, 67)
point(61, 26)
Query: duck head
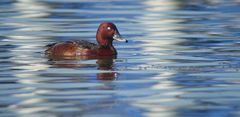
point(106, 33)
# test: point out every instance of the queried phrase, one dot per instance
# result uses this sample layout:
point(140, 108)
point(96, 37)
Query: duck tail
point(49, 47)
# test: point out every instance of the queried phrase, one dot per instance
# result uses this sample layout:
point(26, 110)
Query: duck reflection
point(105, 65)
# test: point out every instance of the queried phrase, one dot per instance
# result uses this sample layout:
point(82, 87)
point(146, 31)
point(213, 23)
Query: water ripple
point(182, 59)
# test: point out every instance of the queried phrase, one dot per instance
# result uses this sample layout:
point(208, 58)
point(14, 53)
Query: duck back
point(72, 48)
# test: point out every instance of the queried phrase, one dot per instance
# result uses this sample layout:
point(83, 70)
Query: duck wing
point(81, 44)
point(85, 44)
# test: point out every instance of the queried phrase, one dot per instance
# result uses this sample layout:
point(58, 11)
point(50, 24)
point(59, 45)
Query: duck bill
point(118, 37)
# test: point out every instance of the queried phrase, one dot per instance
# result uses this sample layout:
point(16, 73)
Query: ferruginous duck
point(106, 33)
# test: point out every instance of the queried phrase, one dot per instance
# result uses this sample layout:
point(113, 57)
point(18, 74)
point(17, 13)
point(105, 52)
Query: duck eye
point(108, 28)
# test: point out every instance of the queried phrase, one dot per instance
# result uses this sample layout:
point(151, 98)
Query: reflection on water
point(104, 65)
point(182, 59)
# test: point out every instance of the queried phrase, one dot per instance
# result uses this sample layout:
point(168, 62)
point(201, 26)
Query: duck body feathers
point(72, 48)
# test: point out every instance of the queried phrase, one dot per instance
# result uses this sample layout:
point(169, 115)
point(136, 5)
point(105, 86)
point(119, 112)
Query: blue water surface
point(182, 59)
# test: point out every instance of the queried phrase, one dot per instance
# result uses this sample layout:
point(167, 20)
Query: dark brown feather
point(77, 43)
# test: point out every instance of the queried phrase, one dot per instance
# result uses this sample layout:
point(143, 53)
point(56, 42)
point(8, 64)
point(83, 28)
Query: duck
point(107, 32)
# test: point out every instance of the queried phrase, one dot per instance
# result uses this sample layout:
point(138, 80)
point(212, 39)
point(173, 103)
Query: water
point(182, 59)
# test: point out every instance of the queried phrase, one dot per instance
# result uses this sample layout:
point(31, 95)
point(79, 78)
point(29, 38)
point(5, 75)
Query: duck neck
point(108, 50)
point(103, 41)
point(105, 46)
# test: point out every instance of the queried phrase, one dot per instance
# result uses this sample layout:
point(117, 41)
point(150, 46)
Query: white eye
point(108, 28)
